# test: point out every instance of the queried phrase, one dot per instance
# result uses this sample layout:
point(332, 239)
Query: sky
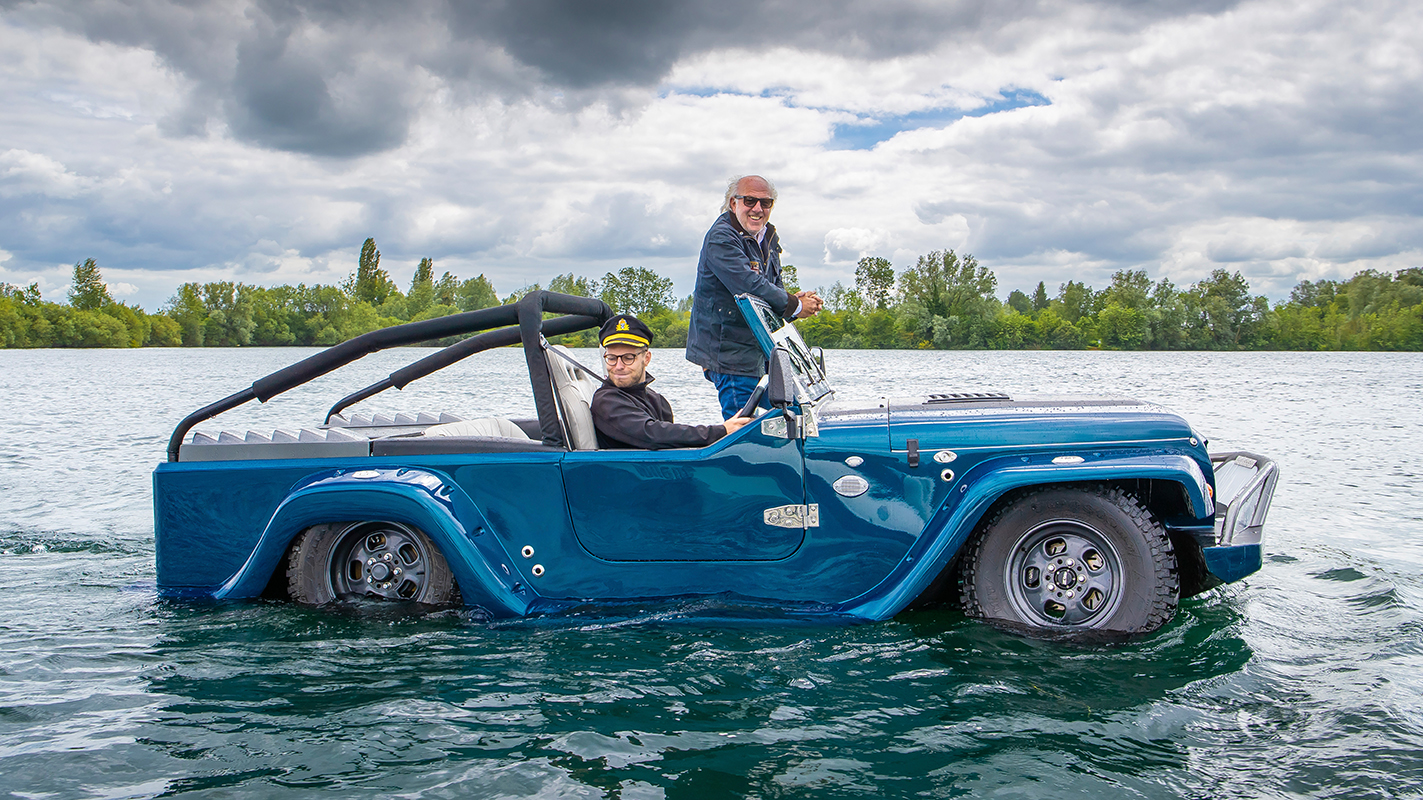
point(263, 141)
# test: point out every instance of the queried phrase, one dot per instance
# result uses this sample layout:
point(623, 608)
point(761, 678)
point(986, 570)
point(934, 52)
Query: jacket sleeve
point(620, 418)
point(730, 264)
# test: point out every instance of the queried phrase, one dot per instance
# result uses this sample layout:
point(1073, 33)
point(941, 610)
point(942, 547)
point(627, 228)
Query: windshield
point(772, 332)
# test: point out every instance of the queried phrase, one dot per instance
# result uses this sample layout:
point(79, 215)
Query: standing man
point(740, 255)
point(626, 413)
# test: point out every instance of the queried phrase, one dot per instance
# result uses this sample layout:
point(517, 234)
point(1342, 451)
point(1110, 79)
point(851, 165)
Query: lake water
point(1305, 680)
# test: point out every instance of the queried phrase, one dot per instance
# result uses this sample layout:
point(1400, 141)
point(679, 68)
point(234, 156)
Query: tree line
point(944, 301)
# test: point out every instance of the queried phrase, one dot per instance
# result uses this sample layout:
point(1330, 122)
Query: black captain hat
point(625, 329)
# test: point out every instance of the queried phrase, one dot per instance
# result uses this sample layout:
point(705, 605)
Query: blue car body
point(854, 512)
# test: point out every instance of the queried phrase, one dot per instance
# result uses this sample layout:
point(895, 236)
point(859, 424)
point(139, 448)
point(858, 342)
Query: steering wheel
point(748, 409)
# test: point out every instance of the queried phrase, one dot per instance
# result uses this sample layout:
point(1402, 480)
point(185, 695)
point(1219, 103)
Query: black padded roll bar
point(528, 313)
point(531, 311)
point(457, 352)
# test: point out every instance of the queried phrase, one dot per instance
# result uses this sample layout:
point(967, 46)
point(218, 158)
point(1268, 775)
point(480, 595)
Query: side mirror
point(780, 391)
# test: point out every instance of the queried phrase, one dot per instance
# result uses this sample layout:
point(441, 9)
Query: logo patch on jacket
point(756, 265)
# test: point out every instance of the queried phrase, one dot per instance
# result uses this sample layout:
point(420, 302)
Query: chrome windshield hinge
point(794, 516)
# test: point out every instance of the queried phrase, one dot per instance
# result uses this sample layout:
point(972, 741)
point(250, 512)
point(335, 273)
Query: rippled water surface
point(1305, 680)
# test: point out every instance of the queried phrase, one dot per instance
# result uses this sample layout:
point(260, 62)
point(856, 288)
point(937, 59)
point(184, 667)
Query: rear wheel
point(378, 560)
point(1072, 558)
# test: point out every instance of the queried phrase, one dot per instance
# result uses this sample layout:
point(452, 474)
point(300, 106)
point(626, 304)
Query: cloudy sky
point(263, 140)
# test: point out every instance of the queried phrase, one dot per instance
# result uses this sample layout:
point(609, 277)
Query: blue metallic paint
point(870, 556)
point(1233, 563)
point(526, 532)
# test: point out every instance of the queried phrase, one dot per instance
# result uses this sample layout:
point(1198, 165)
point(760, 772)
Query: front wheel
point(378, 560)
point(1072, 558)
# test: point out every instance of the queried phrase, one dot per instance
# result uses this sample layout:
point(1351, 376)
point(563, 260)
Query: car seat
point(573, 388)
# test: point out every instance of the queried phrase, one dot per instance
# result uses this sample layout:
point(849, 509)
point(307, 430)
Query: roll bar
point(584, 312)
point(458, 352)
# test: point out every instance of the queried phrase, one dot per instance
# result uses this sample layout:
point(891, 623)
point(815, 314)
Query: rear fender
point(951, 526)
point(421, 498)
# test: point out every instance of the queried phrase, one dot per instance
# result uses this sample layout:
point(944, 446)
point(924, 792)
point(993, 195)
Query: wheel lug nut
point(1069, 562)
point(1070, 594)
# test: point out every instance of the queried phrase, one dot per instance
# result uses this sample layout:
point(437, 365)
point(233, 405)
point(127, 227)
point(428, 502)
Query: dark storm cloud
point(344, 79)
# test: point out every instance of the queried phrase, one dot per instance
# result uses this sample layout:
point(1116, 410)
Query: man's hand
point(735, 424)
point(810, 303)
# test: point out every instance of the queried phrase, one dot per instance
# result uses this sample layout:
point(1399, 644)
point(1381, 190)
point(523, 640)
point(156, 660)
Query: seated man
point(626, 412)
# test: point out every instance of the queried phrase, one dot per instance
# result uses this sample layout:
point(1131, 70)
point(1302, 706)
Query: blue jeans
point(733, 391)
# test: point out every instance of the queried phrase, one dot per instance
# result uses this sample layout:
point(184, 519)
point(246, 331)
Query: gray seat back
point(574, 387)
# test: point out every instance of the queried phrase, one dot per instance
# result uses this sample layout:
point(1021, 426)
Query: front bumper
point(1245, 485)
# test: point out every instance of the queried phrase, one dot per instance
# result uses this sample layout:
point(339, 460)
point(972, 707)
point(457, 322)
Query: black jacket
point(639, 417)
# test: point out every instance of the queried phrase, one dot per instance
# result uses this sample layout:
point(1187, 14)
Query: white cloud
point(1275, 138)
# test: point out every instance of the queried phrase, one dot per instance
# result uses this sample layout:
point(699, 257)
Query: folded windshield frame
point(772, 333)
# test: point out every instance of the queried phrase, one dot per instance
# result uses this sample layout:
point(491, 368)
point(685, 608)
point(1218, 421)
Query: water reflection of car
point(1057, 513)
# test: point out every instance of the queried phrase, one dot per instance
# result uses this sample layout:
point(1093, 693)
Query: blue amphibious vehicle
point(1060, 514)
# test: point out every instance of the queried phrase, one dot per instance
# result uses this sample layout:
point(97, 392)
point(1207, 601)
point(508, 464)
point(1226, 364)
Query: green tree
point(229, 320)
point(422, 288)
point(837, 298)
point(1040, 298)
point(1019, 302)
point(1129, 289)
point(948, 285)
point(477, 293)
point(1169, 317)
point(1014, 330)
point(87, 292)
point(186, 307)
point(1121, 327)
point(133, 319)
point(1227, 317)
point(371, 284)
point(951, 296)
point(447, 290)
point(1075, 300)
point(164, 331)
point(574, 285)
point(874, 280)
point(636, 291)
point(790, 279)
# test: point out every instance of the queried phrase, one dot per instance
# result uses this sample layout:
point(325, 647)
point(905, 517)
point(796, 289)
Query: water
point(1303, 681)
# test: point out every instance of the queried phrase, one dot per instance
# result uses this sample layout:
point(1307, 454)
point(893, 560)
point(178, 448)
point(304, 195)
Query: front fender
point(951, 526)
point(422, 498)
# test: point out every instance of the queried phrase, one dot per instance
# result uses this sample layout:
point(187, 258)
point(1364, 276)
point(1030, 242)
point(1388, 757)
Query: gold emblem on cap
point(622, 324)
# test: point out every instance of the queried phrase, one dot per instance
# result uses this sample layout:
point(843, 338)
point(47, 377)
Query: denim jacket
point(733, 263)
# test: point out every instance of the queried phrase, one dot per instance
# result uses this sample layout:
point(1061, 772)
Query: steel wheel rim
point(382, 560)
point(1064, 573)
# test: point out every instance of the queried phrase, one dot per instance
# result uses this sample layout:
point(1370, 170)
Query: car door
point(741, 499)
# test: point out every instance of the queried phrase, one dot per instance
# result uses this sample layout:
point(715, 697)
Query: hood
point(960, 420)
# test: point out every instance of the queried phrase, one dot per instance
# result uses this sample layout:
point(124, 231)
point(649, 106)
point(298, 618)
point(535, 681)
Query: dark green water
point(1302, 681)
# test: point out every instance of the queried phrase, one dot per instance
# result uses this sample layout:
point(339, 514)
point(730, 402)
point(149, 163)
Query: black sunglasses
point(750, 202)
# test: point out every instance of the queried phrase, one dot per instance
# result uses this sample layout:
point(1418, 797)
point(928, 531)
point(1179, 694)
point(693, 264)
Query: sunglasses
point(627, 358)
point(750, 202)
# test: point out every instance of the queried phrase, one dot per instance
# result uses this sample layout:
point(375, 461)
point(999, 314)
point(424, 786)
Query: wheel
point(1072, 558)
point(380, 560)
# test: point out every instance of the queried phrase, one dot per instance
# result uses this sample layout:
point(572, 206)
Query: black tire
point(1065, 559)
point(378, 560)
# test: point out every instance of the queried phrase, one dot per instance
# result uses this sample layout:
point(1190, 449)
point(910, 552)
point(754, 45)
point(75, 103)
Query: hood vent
point(968, 397)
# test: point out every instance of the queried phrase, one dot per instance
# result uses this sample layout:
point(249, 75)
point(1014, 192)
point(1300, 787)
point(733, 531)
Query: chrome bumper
point(1245, 484)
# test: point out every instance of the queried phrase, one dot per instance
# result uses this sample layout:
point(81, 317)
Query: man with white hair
point(740, 255)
